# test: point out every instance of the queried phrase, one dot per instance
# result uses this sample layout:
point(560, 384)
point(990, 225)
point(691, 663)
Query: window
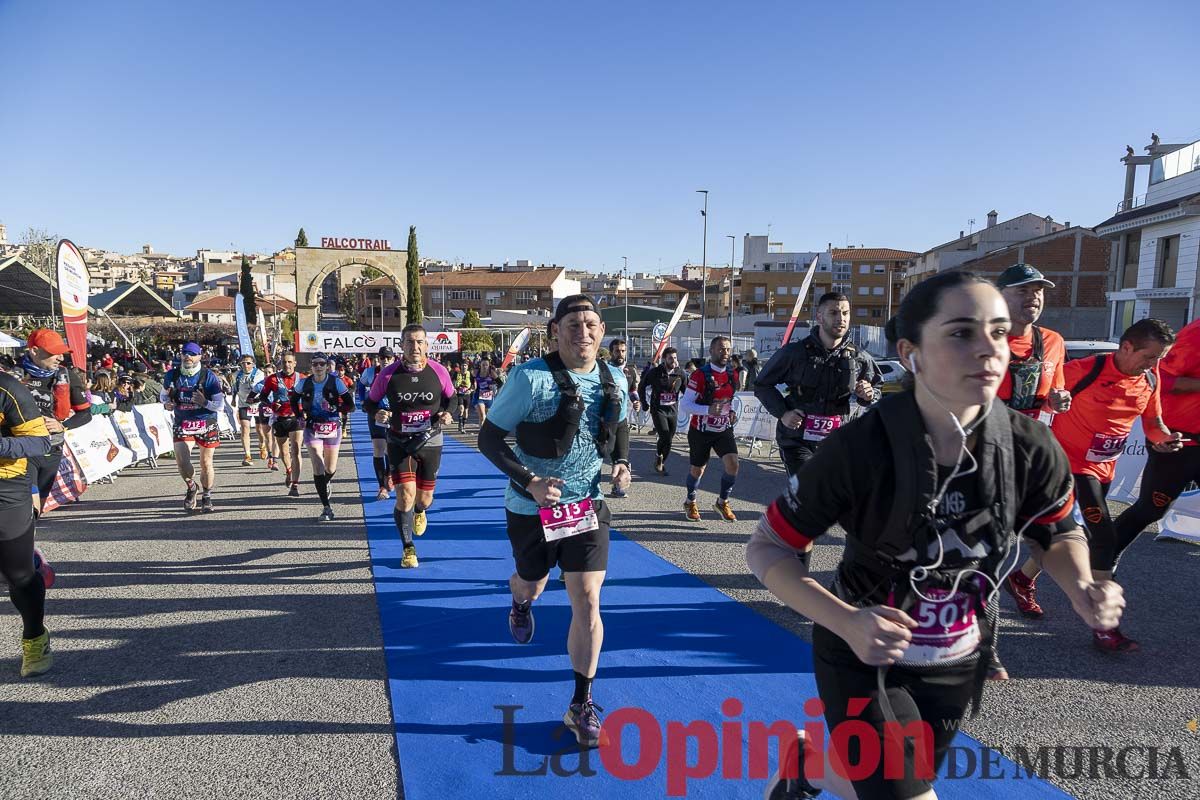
point(526, 296)
point(435, 294)
point(796, 290)
point(880, 269)
point(493, 300)
point(1168, 262)
point(781, 290)
point(1129, 271)
point(1123, 317)
point(463, 294)
point(876, 313)
point(864, 290)
point(766, 267)
point(860, 312)
point(760, 294)
point(877, 291)
point(864, 269)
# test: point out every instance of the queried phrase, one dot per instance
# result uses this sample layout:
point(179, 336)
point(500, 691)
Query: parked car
point(892, 371)
point(1083, 348)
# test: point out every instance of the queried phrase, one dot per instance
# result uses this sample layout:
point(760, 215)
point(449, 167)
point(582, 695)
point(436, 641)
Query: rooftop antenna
point(970, 226)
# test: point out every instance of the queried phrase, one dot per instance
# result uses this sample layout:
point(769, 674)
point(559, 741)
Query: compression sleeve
point(494, 447)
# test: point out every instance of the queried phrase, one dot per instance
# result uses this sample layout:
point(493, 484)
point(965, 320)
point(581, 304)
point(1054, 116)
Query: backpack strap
point(1090, 378)
point(558, 371)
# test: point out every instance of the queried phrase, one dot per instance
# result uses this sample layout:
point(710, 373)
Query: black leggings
point(1092, 496)
point(665, 426)
point(1165, 477)
point(25, 586)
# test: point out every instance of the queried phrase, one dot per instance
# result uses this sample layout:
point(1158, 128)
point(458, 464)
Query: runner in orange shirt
point(1107, 394)
point(1034, 385)
point(1167, 473)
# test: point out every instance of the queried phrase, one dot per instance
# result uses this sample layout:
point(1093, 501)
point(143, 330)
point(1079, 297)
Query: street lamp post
point(703, 268)
point(625, 274)
point(732, 249)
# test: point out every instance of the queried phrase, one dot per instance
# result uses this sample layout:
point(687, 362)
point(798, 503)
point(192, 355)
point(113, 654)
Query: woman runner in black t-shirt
point(929, 487)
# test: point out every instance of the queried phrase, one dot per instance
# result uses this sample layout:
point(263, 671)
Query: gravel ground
point(236, 654)
point(1063, 693)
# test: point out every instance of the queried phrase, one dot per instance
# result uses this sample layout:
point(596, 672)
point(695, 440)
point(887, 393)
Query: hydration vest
point(201, 381)
point(1026, 375)
point(1098, 367)
point(554, 437)
point(912, 524)
point(340, 403)
point(806, 394)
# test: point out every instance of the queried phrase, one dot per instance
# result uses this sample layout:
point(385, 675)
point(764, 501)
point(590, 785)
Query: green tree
point(371, 273)
point(289, 328)
point(246, 292)
point(474, 341)
point(301, 239)
point(412, 269)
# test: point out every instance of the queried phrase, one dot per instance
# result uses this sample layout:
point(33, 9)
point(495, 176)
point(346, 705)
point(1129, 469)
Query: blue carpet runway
point(479, 716)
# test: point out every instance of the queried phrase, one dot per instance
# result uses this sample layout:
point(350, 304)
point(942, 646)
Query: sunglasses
point(320, 363)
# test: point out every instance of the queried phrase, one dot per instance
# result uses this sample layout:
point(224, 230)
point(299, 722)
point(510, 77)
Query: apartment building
point(1156, 238)
point(483, 290)
point(873, 278)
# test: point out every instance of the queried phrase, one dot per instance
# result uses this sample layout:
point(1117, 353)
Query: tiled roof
point(224, 305)
point(486, 278)
point(872, 254)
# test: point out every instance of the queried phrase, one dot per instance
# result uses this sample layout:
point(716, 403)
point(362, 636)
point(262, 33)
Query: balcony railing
point(1131, 204)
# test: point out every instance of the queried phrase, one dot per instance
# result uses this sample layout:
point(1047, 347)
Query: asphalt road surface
point(239, 653)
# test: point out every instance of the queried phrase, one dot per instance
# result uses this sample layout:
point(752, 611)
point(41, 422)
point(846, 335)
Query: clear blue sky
point(577, 133)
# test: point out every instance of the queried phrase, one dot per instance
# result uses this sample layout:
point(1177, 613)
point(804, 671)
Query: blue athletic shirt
point(184, 407)
point(530, 395)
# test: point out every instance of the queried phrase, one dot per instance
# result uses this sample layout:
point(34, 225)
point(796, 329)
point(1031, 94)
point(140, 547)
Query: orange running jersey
point(1094, 430)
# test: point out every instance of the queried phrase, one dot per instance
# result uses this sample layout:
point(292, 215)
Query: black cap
point(573, 303)
point(386, 351)
point(1021, 274)
point(319, 357)
point(139, 367)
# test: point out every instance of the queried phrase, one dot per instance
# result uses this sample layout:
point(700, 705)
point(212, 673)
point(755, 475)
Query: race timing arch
point(313, 265)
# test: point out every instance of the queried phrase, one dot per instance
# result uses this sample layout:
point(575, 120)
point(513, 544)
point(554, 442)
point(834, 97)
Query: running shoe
point(42, 567)
point(691, 511)
point(798, 788)
point(206, 504)
point(326, 515)
point(1024, 591)
point(272, 465)
point(189, 499)
point(722, 508)
point(287, 477)
point(36, 657)
point(382, 494)
point(262, 453)
point(410, 558)
point(520, 622)
point(246, 461)
point(1113, 642)
point(583, 720)
point(659, 466)
point(996, 670)
point(419, 523)
point(294, 491)
point(617, 493)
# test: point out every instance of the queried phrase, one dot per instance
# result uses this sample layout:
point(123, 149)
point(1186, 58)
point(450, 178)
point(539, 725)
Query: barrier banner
point(126, 424)
point(96, 451)
point(154, 427)
point(753, 421)
point(444, 341)
point(1183, 520)
point(346, 341)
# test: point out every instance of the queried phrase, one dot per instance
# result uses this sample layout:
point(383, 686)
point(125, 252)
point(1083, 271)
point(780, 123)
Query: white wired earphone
point(921, 572)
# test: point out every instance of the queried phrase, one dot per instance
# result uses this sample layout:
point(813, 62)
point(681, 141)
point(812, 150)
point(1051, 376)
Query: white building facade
point(1157, 239)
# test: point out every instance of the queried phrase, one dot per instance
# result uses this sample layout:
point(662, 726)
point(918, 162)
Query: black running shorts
point(534, 556)
point(939, 699)
point(420, 468)
point(285, 426)
point(701, 443)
